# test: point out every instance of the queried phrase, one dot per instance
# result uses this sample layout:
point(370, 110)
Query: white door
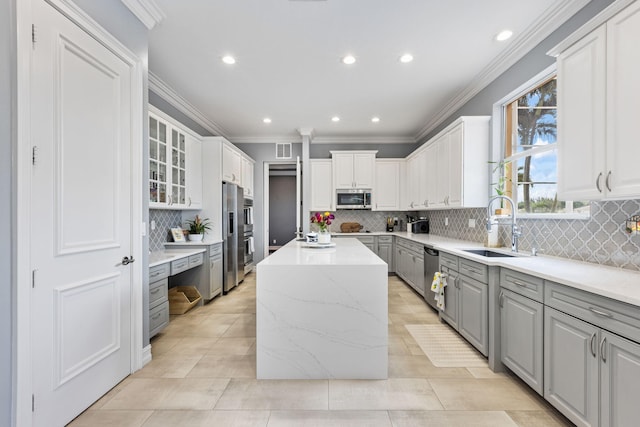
point(81, 221)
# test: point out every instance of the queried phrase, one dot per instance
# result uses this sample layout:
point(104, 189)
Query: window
point(528, 170)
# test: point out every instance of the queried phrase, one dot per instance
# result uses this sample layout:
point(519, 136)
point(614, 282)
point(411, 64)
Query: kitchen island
point(321, 313)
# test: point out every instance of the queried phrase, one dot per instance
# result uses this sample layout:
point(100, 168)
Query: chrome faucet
point(515, 231)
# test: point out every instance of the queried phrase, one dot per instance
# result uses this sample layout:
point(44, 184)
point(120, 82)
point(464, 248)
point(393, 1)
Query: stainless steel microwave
point(353, 199)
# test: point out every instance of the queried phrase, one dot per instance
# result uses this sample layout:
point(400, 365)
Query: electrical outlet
point(274, 241)
point(446, 221)
point(153, 225)
point(472, 223)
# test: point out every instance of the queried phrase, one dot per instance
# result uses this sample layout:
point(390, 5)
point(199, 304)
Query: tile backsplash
point(601, 239)
point(165, 220)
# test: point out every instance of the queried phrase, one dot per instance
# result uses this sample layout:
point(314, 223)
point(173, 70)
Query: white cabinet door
point(622, 180)
point(430, 165)
point(387, 186)
point(455, 170)
point(247, 177)
point(441, 172)
point(581, 118)
point(322, 193)
point(423, 180)
point(364, 166)
point(412, 183)
point(343, 170)
point(194, 173)
point(231, 165)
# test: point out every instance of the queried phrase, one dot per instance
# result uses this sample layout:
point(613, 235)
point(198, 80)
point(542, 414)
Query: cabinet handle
point(155, 291)
point(169, 200)
point(603, 354)
point(598, 182)
point(189, 202)
point(155, 316)
point(600, 312)
point(593, 341)
point(501, 299)
point(606, 182)
point(519, 284)
point(155, 273)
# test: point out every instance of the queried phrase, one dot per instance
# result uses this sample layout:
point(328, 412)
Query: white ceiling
point(288, 61)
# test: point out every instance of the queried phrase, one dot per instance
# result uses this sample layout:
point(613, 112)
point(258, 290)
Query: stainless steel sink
point(487, 253)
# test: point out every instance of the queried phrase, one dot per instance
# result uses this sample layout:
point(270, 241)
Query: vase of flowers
point(197, 228)
point(323, 220)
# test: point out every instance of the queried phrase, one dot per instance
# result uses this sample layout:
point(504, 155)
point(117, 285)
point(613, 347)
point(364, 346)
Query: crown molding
point(541, 28)
point(271, 139)
point(147, 11)
point(364, 140)
point(167, 93)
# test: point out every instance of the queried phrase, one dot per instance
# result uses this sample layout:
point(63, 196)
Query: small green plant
point(500, 185)
point(199, 226)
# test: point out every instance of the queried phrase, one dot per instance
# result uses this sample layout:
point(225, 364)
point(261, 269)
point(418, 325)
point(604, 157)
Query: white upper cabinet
point(175, 168)
point(231, 164)
point(387, 197)
point(598, 112)
point(354, 169)
point(322, 192)
point(247, 176)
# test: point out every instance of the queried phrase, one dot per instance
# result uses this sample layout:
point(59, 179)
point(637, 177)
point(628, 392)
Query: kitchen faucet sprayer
point(515, 232)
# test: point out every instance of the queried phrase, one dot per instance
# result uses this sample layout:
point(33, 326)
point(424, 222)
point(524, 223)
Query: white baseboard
point(146, 355)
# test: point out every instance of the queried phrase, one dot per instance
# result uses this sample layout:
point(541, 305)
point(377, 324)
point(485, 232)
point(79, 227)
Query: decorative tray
point(319, 245)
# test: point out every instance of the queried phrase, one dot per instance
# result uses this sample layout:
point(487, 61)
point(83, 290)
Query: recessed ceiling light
point(349, 59)
point(266, 120)
point(228, 59)
point(375, 119)
point(504, 35)
point(335, 119)
point(407, 57)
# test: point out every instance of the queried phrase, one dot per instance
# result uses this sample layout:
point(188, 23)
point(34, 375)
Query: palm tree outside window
point(530, 159)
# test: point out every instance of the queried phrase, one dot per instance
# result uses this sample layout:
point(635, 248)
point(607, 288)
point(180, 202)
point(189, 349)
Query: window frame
point(499, 137)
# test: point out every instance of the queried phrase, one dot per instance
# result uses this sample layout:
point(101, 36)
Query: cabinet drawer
point(159, 272)
point(158, 318)
point(385, 239)
point(409, 245)
point(615, 316)
point(448, 260)
point(215, 249)
point(366, 239)
point(523, 284)
point(196, 260)
point(473, 269)
point(179, 266)
point(158, 292)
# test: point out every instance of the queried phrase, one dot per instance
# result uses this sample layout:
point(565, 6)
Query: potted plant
point(500, 185)
point(198, 227)
point(323, 220)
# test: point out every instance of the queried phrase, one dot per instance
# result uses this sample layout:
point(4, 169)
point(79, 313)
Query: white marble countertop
point(206, 242)
point(612, 282)
point(161, 257)
point(345, 252)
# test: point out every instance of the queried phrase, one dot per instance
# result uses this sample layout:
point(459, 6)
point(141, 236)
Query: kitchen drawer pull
point(501, 299)
point(600, 312)
point(155, 291)
point(473, 270)
point(155, 316)
point(593, 341)
point(598, 182)
point(155, 273)
point(603, 354)
point(520, 284)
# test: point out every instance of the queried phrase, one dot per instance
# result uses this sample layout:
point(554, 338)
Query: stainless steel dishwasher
point(431, 265)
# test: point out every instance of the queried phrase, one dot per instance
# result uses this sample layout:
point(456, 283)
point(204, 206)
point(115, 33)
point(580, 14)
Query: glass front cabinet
point(173, 158)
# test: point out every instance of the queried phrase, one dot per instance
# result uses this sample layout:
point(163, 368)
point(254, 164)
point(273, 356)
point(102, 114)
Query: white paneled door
point(81, 103)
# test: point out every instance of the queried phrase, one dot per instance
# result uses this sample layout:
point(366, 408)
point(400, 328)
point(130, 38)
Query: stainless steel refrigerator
point(233, 235)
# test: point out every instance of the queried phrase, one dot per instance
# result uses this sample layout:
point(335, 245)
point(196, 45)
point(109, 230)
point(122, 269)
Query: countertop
point(612, 282)
point(345, 252)
point(160, 257)
point(207, 242)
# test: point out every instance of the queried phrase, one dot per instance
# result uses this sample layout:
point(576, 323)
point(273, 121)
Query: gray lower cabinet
point(368, 241)
point(409, 258)
point(591, 357)
point(158, 298)
point(466, 299)
point(522, 326)
point(206, 277)
point(215, 270)
point(385, 251)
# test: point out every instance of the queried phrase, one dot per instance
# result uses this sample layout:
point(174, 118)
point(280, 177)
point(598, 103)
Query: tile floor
point(203, 374)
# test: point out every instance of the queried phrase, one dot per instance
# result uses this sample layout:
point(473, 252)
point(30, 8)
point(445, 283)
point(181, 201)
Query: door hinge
point(33, 278)
point(33, 35)
point(33, 403)
point(34, 151)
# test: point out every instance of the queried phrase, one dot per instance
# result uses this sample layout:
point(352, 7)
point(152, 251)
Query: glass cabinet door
point(178, 164)
point(157, 161)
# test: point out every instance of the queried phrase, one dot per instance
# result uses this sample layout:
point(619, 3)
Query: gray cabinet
point(466, 299)
point(207, 277)
point(409, 258)
point(215, 270)
point(368, 241)
point(521, 326)
point(591, 357)
point(385, 251)
point(158, 299)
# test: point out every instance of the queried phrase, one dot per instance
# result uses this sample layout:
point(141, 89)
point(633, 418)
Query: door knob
point(126, 260)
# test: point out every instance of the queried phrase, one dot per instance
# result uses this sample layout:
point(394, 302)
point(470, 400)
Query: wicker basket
point(183, 299)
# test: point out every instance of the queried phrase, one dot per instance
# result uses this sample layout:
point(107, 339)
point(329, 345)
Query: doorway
point(282, 198)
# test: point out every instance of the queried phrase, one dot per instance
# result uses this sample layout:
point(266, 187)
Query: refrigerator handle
point(230, 224)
